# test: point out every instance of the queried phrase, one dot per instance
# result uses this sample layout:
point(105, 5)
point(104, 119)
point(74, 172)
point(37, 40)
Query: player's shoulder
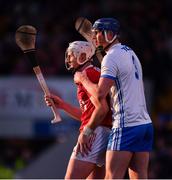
point(93, 73)
point(92, 70)
point(120, 48)
point(119, 51)
point(116, 54)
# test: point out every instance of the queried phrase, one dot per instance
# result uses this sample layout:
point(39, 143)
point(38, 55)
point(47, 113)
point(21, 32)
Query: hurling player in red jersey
point(86, 161)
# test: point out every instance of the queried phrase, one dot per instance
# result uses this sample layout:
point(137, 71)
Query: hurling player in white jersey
point(121, 76)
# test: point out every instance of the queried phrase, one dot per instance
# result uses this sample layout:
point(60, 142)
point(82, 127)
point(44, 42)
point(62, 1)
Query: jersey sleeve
point(109, 67)
point(93, 75)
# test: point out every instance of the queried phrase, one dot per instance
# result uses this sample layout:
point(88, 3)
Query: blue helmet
point(107, 24)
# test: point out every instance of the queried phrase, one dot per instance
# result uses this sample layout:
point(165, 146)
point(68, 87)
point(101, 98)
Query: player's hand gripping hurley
point(25, 38)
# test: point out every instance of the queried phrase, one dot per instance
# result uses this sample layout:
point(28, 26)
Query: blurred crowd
point(146, 26)
point(18, 153)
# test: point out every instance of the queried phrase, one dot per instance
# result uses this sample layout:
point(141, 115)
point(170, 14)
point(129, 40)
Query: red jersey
point(86, 105)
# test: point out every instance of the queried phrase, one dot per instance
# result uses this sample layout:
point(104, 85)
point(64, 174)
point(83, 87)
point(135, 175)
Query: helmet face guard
point(107, 24)
point(77, 48)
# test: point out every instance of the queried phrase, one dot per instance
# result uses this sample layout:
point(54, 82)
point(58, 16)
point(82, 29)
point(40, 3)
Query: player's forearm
point(98, 114)
point(96, 119)
point(73, 111)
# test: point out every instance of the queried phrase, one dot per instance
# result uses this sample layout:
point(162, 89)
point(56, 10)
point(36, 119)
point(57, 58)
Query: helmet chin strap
point(109, 41)
point(79, 67)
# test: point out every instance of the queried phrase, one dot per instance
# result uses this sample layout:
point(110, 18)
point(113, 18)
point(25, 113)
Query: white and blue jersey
point(127, 94)
point(132, 127)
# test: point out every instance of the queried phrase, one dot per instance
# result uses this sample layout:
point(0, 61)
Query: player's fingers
point(50, 96)
point(77, 77)
point(46, 97)
point(85, 149)
point(84, 74)
point(77, 150)
point(47, 100)
point(89, 145)
point(82, 149)
point(76, 80)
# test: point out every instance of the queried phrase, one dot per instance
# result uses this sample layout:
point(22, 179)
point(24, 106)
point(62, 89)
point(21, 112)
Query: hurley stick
point(25, 38)
point(84, 27)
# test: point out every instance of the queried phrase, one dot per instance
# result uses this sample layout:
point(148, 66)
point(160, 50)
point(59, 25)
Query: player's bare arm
point(81, 77)
point(73, 111)
point(99, 90)
point(100, 111)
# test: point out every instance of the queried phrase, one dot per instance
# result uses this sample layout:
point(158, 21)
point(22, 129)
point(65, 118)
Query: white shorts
point(98, 148)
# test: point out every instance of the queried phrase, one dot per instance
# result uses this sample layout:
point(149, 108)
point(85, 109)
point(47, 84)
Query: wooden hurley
point(25, 38)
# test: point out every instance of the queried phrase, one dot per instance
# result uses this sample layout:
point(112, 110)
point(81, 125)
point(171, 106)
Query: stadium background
point(30, 147)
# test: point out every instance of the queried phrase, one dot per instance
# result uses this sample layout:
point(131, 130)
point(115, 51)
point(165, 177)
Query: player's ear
point(110, 35)
point(82, 57)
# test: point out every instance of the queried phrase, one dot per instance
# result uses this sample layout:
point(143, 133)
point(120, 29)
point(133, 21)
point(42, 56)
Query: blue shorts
point(134, 139)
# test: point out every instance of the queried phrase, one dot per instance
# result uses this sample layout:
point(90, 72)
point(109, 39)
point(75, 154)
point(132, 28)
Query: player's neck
point(84, 66)
point(108, 46)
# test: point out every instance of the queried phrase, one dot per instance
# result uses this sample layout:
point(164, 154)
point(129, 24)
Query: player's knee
point(138, 173)
point(66, 177)
point(108, 175)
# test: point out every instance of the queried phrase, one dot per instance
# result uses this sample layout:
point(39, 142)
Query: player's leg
point(117, 163)
point(81, 166)
point(78, 169)
point(139, 163)
point(97, 173)
point(119, 151)
point(138, 168)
